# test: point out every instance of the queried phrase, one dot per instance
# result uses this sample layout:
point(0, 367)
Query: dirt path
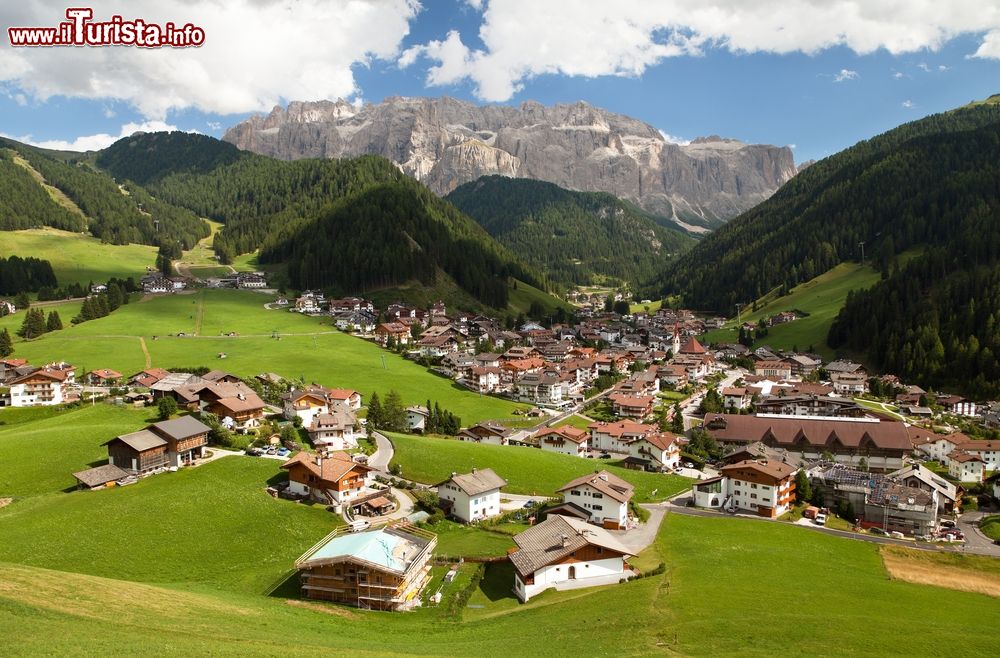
point(145, 352)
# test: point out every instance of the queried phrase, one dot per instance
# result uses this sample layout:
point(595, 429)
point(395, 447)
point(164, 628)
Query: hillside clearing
point(79, 258)
point(966, 573)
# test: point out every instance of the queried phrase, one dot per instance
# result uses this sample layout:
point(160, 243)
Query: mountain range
point(444, 143)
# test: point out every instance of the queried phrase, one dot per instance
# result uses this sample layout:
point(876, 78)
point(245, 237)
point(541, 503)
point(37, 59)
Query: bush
point(638, 512)
point(461, 598)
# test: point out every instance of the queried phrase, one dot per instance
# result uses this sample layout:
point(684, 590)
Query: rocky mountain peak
point(445, 142)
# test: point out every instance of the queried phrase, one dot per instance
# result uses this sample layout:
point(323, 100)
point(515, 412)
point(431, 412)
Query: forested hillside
point(25, 204)
point(112, 215)
point(345, 225)
point(905, 188)
point(27, 274)
point(573, 237)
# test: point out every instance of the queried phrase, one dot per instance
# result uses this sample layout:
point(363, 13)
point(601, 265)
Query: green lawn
point(990, 525)
point(527, 470)
point(211, 525)
point(79, 258)
point(308, 347)
point(650, 308)
point(39, 455)
point(455, 539)
point(576, 421)
point(821, 297)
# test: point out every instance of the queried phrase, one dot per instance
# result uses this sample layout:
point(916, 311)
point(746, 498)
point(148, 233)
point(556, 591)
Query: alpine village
point(318, 387)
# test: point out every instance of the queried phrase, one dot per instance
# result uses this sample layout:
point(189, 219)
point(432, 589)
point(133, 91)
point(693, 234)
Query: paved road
point(379, 460)
point(639, 538)
point(975, 540)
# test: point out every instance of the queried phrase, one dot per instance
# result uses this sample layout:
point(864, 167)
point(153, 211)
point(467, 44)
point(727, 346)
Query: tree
point(6, 344)
point(374, 413)
point(863, 464)
point(54, 322)
point(677, 422)
point(803, 490)
point(33, 325)
point(167, 407)
point(21, 301)
point(621, 307)
point(393, 413)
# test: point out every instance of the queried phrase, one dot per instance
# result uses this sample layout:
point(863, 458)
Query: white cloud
point(793, 146)
point(108, 112)
point(625, 37)
point(213, 125)
point(95, 142)
point(907, 104)
point(673, 139)
point(21, 99)
point(899, 75)
point(256, 53)
point(923, 67)
point(942, 67)
point(846, 74)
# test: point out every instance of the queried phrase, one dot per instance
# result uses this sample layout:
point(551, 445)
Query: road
point(379, 460)
point(689, 407)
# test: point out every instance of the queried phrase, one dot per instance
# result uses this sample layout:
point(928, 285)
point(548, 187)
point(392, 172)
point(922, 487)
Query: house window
point(754, 496)
point(600, 551)
point(597, 495)
point(753, 486)
point(574, 492)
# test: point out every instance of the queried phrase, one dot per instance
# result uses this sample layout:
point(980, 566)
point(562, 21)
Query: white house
point(485, 379)
point(618, 436)
point(965, 466)
point(472, 496)
point(305, 404)
point(565, 550)
point(988, 451)
point(763, 487)
point(42, 387)
point(662, 449)
point(565, 440)
point(600, 498)
point(416, 418)
point(337, 430)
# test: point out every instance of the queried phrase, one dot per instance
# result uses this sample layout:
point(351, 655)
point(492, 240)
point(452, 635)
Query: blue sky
point(780, 74)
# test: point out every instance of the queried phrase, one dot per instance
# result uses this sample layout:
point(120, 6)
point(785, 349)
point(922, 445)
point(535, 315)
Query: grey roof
point(95, 477)
point(544, 543)
point(180, 428)
point(140, 441)
point(174, 380)
point(928, 477)
point(605, 482)
point(478, 481)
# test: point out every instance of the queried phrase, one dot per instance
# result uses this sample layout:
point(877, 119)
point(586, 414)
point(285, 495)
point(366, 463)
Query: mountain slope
point(570, 236)
point(930, 186)
point(892, 192)
point(118, 214)
point(444, 143)
point(346, 225)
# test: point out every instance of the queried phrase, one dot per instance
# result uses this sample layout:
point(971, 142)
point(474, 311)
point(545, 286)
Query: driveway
point(639, 538)
point(379, 460)
point(975, 540)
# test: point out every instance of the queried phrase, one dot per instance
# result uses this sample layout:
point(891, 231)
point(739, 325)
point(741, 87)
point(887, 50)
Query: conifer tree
point(54, 322)
point(6, 344)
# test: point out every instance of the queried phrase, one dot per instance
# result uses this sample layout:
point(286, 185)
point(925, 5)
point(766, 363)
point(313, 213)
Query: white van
point(820, 519)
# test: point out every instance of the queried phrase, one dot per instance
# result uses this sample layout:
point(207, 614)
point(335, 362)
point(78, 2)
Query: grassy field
point(651, 307)
point(455, 540)
point(527, 470)
point(212, 525)
point(576, 421)
point(78, 258)
point(821, 297)
point(825, 596)
point(45, 449)
point(524, 295)
point(308, 347)
point(967, 573)
point(990, 525)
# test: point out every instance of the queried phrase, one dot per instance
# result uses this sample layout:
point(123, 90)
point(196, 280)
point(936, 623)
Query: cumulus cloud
point(907, 104)
point(899, 75)
point(625, 37)
point(256, 53)
point(95, 142)
point(213, 125)
point(845, 74)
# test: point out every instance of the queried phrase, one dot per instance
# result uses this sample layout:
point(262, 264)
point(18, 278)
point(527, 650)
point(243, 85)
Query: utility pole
point(862, 245)
point(738, 318)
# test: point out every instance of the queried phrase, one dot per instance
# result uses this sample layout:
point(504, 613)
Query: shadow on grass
point(286, 587)
point(498, 582)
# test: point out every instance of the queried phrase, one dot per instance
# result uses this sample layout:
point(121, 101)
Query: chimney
point(565, 541)
point(473, 470)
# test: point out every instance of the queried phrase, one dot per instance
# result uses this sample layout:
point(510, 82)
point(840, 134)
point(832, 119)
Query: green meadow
point(79, 258)
point(527, 470)
point(290, 344)
point(821, 297)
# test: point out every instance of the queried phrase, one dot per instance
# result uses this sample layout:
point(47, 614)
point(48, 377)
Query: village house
point(879, 501)
point(416, 418)
point(250, 280)
point(881, 443)
point(489, 433)
point(334, 479)
point(485, 379)
point(566, 440)
point(148, 377)
point(772, 369)
point(965, 466)
point(565, 550)
point(241, 411)
point(635, 407)
point(763, 487)
point(802, 364)
point(736, 398)
point(99, 477)
point(139, 453)
point(957, 405)
point(383, 569)
point(350, 304)
point(949, 495)
point(338, 429)
point(849, 383)
point(392, 331)
point(472, 496)
point(601, 498)
point(305, 403)
point(41, 387)
point(310, 302)
point(104, 377)
point(7, 307)
point(617, 436)
point(656, 451)
point(809, 405)
point(360, 321)
point(154, 284)
point(541, 388)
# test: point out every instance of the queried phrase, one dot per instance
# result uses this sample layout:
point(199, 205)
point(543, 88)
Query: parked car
point(688, 464)
point(947, 524)
point(820, 519)
point(877, 531)
point(605, 455)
